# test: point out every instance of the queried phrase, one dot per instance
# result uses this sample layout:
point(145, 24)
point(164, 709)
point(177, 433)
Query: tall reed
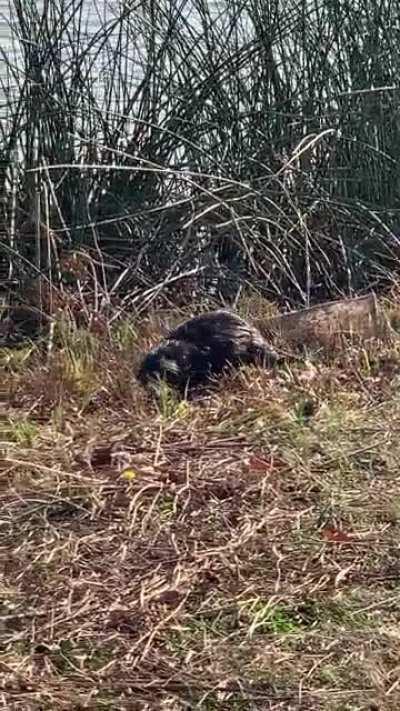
point(249, 144)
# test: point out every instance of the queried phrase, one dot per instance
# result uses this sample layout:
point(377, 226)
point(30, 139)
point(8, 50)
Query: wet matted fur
point(202, 347)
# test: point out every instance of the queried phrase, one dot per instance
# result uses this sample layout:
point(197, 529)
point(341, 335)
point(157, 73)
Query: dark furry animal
point(202, 348)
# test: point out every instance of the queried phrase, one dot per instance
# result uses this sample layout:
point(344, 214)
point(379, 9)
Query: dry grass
point(238, 552)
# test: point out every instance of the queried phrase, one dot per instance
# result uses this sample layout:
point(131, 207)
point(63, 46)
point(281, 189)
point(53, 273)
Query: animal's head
point(175, 362)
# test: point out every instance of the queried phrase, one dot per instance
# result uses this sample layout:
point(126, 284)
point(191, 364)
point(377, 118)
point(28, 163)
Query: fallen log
point(330, 324)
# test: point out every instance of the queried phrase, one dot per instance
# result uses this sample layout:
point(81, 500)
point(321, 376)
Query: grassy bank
point(236, 552)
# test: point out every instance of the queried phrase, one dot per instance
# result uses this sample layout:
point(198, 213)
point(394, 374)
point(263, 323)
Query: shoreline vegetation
point(186, 166)
point(238, 552)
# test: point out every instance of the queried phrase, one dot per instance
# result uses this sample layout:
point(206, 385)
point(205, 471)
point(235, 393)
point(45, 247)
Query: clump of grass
point(170, 406)
point(264, 618)
point(16, 359)
point(80, 372)
point(77, 342)
point(125, 335)
point(21, 431)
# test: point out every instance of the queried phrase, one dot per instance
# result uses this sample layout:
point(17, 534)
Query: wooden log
point(329, 324)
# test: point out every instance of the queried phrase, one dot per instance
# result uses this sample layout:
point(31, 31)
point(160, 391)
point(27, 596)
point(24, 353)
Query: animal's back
point(212, 327)
point(226, 337)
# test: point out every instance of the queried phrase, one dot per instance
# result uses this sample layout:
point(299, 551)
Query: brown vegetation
point(237, 552)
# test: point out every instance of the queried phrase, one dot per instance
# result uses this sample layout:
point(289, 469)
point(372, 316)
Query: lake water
point(95, 13)
point(6, 46)
point(89, 16)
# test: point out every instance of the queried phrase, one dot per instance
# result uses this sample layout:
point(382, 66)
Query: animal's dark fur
point(203, 347)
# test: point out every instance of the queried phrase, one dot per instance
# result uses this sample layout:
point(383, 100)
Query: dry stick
point(50, 339)
point(50, 470)
point(152, 634)
point(36, 219)
point(66, 229)
point(149, 295)
point(179, 446)
point(13, 209)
